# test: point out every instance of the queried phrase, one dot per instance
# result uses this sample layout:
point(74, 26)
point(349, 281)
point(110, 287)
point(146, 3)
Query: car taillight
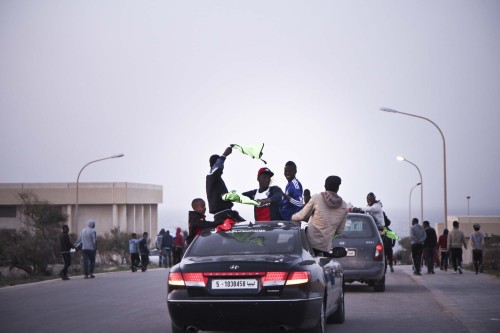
point(282, 278)
point(187, 279)
point(175, 279)
point(297, 278)
point(379, 252)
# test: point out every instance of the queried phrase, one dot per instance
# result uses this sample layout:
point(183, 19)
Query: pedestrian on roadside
point(135, 260)
point(66, 246)
point(159, 241)
point(291, 202)
point(268, 196)
point(167, 246)
point(144, 252)
point(417, 238)
point(88, 238)
point(326, 214)
point(178, 245)
point(477, 244)
point(443, 250)
point(216, 187)
point(430, 244)
point(456, 240)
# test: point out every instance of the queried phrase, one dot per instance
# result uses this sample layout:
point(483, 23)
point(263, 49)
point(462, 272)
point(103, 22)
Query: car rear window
point(359, 227)
point(245, 241)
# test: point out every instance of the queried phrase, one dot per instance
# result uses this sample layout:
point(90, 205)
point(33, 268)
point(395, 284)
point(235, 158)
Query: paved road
point(135, 302)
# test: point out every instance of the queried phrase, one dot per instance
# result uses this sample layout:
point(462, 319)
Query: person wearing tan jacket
point(326, 214)
point(456, 239)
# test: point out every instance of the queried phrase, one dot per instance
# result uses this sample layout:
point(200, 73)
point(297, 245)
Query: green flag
point(252, 151)
point(233, 196)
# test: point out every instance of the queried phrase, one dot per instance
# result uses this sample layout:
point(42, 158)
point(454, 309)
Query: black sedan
point(255, 276)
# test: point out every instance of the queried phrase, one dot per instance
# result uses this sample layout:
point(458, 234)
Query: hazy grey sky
point(168, 83)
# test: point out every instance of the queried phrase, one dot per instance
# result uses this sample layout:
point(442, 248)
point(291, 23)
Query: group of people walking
point(424, 243)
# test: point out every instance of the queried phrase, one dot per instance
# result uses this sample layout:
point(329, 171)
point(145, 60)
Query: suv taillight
point(379, 252)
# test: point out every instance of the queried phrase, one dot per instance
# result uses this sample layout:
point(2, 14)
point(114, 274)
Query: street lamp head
point(419, 184)
point(389, 110)
point(119, 155)
point(468, 197)
point(400, 158)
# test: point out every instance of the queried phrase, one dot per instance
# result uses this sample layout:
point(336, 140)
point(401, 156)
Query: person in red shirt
point(178, 246)
point(442, 247)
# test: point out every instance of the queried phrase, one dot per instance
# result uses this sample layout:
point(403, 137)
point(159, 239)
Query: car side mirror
point(338, 252)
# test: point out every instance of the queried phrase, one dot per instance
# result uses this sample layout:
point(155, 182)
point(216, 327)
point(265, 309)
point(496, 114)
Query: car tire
point(379, 285)
point(321, 325)
point(338, 317)
point(176, 329)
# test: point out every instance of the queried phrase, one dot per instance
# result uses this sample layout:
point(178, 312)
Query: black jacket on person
point(196, 224)
point(274, 206)
point(65, 242)
point(216, 187)
point(431, 238)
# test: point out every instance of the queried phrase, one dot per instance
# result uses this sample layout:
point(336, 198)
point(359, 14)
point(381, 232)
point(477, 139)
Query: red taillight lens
point(187, 279)
point(282, 278)
point(274, 279)
point(175, 279)
point(298, 278)
point(195, 280)
point(379, 252)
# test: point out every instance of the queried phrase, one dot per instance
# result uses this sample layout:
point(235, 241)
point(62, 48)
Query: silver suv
point(365, 251)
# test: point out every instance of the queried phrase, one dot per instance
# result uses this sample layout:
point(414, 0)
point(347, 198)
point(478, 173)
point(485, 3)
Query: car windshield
point(358, 227)
point(238, 241)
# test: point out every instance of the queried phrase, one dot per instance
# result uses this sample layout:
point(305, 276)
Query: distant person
point(417, 238)
point(197, 219)
point(443, 250)
point(388, 245)
point(144, 252)
point(216, 187)
point(159, 241)
point(430, 244)
point(135, 260)
point(307, 196)
point(291, 202)
point(66, 246)
point(477, 244)
point(326, 214)
point(88, 238)
point(167, 246)
point(268, 196)
point(178, 245)
point(374, 208)
point(456, 240)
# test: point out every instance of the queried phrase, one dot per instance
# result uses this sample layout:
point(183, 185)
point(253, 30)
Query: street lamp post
point(401, 158)
point(409, 214)
point(444, 156)
point(78, 179)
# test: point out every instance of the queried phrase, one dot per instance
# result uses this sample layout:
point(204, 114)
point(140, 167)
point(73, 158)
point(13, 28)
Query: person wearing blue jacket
point(292, 201)
point(134, 253)
point(88, 238)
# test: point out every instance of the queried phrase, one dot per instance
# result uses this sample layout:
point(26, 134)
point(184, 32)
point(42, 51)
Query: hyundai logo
point(234, 267)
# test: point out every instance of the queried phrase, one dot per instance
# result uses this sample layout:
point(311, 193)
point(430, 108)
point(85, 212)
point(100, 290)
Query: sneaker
point(86, 277)
point(460, 269)
point(441, 268)
point(392, 270)
point(92, 276)
point(417, 273)
point(432, 272)
point(454, 272)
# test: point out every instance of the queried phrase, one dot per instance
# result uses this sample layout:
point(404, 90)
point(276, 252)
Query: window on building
point(7, 211)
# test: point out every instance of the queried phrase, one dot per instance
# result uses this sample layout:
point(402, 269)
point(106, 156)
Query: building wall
point(130, 207)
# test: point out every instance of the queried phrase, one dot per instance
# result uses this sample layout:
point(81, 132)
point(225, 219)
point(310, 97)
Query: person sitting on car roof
point(329, 218)
point(269, 197)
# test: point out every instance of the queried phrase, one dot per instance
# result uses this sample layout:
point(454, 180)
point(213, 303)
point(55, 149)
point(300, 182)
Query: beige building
point(490, 225)
point(129, 207)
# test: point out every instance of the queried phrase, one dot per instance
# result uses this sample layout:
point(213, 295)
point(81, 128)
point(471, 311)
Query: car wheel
point(321, 325)
point(380, 285)
point(338, 317)
point(176, 329)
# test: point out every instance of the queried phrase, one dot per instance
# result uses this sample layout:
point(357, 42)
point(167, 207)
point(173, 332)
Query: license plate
point(351, 253)
point(234, 284)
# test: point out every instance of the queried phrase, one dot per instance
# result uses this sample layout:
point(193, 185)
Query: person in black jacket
point(66, 246)
point(430, 244)
point(268, 196)
point(388, 245)
point(216, 187)
point(144, 252)
point(197, 220)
